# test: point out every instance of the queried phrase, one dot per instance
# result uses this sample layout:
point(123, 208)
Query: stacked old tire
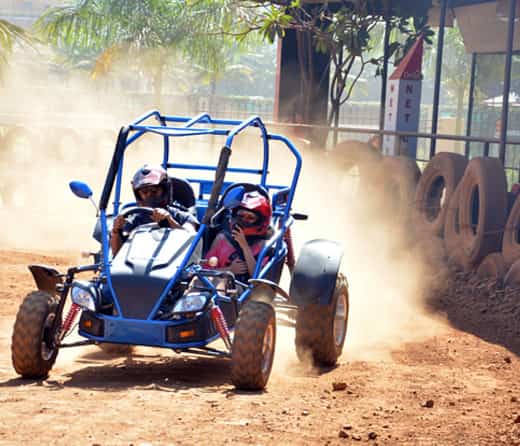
point(435, 189)
point(462, 206)
point(511, 245)
point(466, 204)
point(397, 176)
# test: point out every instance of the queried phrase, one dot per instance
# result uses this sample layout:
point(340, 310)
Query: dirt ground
point(429, 359)
point(459, 387)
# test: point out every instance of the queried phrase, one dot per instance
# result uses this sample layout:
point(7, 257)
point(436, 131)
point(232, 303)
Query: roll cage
point(169, 127)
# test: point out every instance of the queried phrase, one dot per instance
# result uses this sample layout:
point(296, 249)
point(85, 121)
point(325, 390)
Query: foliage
point(152, 34)
point(9, 34)
point(106, 29)
point(344, 30)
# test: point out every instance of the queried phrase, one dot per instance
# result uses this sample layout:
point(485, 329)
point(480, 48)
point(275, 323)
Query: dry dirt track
point(451, 389)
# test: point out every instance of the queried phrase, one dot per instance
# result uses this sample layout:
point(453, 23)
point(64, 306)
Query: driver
point(238, 247)
point(151, 189)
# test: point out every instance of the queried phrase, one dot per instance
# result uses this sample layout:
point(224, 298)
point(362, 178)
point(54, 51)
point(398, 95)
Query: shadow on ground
point(169, 374)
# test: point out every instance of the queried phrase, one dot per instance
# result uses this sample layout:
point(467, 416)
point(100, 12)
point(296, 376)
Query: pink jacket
point(226, 252)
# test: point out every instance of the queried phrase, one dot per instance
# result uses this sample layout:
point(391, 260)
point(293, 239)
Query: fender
point(46, 278)
point(315, 273)
point(265, 290)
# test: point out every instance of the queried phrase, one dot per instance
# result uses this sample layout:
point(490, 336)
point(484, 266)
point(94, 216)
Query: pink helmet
point(149, 175)
point(254, 202)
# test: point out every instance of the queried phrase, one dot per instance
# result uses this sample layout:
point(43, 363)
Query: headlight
point(190, 302)
point(84, 295)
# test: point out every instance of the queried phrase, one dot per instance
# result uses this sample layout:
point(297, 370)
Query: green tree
point(9, 34)
point(150, 33)
point(342, 30)
point(105, 31)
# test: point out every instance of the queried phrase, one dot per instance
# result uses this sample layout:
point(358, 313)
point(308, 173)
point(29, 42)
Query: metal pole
point(470, 101)
point(384, 76)
point(507, 80)
point(438, 69)
point(486, 149)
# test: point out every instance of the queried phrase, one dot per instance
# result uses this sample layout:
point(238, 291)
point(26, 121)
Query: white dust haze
point(387, 274)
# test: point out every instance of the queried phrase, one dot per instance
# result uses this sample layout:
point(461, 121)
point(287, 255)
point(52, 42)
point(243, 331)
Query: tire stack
point(397, 176)
point(467, 205)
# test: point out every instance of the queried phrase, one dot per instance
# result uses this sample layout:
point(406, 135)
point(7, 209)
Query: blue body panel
point(142, 332)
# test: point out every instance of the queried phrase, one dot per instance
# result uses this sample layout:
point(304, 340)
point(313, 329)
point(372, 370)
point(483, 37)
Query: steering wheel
point(135, 210)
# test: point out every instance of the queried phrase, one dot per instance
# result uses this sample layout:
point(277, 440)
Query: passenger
point(238, 246)
point(151, 189)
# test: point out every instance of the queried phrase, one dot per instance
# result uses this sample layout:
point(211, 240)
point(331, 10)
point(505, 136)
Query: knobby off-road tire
point(321, 330)
point(30, 352)
point(253, 347)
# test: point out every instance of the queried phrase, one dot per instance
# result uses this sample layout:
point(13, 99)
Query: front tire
point(321, 330)
point(33, 348)
point(253, 347)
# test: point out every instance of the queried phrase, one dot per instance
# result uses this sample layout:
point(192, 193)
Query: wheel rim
point(340, 319)
point(47, 337)
point(268, 348)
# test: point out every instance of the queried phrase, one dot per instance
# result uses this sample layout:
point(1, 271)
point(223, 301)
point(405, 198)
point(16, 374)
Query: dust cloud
point(389, 267)
point(55, 127)
point(387, 272)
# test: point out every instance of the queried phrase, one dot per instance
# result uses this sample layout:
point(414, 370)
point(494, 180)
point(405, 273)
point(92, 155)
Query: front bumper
point(181, 334)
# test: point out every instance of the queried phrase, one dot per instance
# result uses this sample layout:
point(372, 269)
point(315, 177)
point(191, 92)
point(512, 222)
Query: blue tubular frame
point(139, 128)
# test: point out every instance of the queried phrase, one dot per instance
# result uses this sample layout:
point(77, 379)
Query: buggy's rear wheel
point(253, 346)
point(33, 347)
point(321, 329)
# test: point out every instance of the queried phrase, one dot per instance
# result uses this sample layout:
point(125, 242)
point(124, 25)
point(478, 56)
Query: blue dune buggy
point(158, 290)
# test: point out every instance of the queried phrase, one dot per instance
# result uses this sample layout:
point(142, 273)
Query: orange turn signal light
point(87, 323)
point(187, 334)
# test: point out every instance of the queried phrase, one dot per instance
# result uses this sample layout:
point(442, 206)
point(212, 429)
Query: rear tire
point(253, 348)
point(321, 330)
point(31, 351)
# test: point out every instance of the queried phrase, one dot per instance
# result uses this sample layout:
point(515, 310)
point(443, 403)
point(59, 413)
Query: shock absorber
point(289, 259)
point(221, 325)
point(69, 320)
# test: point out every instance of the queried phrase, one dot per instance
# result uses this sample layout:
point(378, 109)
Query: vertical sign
point(403, 102)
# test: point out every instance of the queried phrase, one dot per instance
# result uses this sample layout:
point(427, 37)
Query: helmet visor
point(246, 219)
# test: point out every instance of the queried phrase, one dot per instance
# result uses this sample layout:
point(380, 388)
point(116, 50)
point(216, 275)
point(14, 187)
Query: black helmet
point(151, 176)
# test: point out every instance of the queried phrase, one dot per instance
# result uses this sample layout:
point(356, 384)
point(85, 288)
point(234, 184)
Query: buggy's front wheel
point(253, 347)
point(34, 348)
point(321, 329)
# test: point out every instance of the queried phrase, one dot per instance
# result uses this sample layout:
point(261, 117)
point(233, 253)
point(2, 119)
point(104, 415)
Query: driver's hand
point(118, 224)
point(238, 234)
point(238, 267)
point(159, 215)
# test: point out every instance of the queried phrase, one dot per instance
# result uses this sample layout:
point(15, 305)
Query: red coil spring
point(67, 323)
point(220, 323)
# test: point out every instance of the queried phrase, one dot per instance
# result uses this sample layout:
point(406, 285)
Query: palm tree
point(9, 34)
point(149, 31)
